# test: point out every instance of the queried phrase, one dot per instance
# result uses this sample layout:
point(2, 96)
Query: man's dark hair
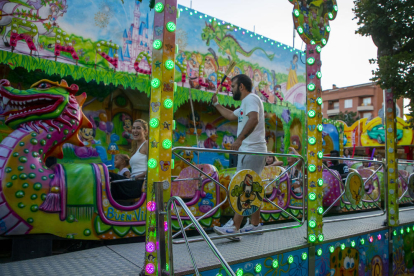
point(245, 80)
point(335, 153)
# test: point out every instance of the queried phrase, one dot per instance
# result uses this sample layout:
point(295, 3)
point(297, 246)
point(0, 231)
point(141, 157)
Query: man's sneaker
point(228, 229)
point(250, 227)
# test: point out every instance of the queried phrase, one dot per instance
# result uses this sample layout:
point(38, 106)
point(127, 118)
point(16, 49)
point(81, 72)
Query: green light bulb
point(321, 237)
point(335, 8)
point(168, 103)
point(313, 42)
point(320, 210)
point(311, 86)
point(258, 268)
point(328, 28)
point(395, 232)
point(320, 154)
point(154, 122)
point(312, 196)
point(312, 224)
point(296, 12)
point(320, 182)
point(320, 127)
point(319, 252)
point(167, 267)
point(402, 231)
point(171, 26)
point(169, 64)
point(172, 164)
point(312, 140)
point(159, 7)
point(319, 100)
point(157, 44)
point(174, 124)
point(323, 41)
point(239, 272)
point(152, 163)
point(353, 243)
point(311, 168)
point(408, 229)
point(331, 249)
point(311, 113)
point(342, 246)
point(362, 241)
point(311, 60)
point(312, 238)
point(319, 74)
point(166, 144)
point(304, 256)
point(155, 83)
point(300, 30)
point(330, 15)
point(275, 263)
point(318, 48)
point(290, 259)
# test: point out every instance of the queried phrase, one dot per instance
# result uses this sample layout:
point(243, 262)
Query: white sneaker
point(250, 227)
point(227, 229)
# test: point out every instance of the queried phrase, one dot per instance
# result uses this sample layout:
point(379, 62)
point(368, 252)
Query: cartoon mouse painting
point(246, 193)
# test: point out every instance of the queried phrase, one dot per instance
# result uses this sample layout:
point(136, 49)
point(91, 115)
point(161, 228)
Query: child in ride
point(122, 164)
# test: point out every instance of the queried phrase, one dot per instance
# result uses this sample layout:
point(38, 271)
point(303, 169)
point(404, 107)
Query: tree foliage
point(390, 24)
point(347, 117)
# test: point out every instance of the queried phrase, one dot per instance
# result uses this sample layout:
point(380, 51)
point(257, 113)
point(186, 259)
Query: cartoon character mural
point(127, 126)
point(228, 140)
point(210, 143)
point(292, 77)
point(206, 204)
point(246, 193)
point(344, 262)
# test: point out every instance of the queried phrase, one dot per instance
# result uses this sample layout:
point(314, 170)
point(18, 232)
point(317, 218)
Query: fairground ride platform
point(128, 259)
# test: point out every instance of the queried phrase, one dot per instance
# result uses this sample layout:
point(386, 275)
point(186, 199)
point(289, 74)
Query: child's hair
point(124, 157)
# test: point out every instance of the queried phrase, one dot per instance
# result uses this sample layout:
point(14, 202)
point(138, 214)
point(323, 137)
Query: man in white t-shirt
point(250, 137)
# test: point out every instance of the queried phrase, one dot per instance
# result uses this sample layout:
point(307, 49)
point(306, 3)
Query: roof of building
point(350, 86)
point(120, 56)
point(125, 34)
point(126, 53)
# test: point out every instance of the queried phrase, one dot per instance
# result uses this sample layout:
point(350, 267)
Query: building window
point(366, 101)
point(367, 115)
point(348, 103)
point(336, 105)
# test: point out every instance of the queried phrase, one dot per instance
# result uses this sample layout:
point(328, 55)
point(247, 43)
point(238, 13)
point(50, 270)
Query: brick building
point(365, 99)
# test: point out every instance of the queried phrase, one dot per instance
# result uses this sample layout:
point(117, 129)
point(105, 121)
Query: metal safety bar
point(205, 237)
point(343, 192)
point(405, 179)
point(128, 179)
point(227, 192)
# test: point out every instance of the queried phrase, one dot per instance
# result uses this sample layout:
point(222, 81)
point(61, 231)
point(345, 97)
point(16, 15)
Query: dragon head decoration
point(208, 34)
point(49, 106)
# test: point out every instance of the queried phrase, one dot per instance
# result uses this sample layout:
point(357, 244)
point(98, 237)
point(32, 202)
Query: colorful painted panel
point(206, 43)
point(372, 133)
point(403, 251)
point(289, 263)
point(360, 255)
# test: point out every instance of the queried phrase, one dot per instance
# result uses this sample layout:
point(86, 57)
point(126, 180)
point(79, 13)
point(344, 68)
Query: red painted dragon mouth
point(22, 106)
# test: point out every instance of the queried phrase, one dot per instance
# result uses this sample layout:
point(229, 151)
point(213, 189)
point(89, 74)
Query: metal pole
point(159, 221)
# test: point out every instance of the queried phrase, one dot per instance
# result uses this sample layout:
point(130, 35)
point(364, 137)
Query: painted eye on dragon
point(44, 85)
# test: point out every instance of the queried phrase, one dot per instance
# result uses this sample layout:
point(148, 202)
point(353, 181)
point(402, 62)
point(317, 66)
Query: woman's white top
point(121, 172)
point(138, 162)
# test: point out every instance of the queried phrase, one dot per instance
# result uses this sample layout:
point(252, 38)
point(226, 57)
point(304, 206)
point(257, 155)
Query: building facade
point(364, 99)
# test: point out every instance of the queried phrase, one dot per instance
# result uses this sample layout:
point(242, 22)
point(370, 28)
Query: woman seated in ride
point(295, 173)
point(273, 161)
point(132, 188)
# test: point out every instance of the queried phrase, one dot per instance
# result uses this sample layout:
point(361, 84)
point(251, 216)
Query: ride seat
point(187, 189)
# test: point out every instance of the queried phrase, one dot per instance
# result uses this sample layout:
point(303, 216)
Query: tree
point(348, 117)
point(390, 23)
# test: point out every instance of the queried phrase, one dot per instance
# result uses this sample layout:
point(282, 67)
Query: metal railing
point(411, 162)
point(174, 150)
point(172, 202)
point(344, 190)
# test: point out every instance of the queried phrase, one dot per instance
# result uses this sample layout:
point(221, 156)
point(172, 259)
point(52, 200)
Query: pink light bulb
point(150, 268)
point(150, 247)
point(150, 204)
point(165, 226)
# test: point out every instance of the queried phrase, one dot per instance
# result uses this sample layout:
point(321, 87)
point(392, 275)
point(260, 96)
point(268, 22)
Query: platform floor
point(128, 259)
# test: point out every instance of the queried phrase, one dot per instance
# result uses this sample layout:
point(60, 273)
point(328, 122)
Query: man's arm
point(247, 130)
point(226, 113)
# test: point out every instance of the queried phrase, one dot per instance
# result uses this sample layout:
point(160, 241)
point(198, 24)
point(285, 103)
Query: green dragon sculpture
point(227, 43)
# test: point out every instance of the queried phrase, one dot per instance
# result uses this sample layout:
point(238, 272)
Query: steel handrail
point(338, 198)
point(172, 202)
point(227, 192)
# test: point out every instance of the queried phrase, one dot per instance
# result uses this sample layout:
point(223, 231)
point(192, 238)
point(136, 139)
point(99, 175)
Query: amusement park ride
point(72, 200)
